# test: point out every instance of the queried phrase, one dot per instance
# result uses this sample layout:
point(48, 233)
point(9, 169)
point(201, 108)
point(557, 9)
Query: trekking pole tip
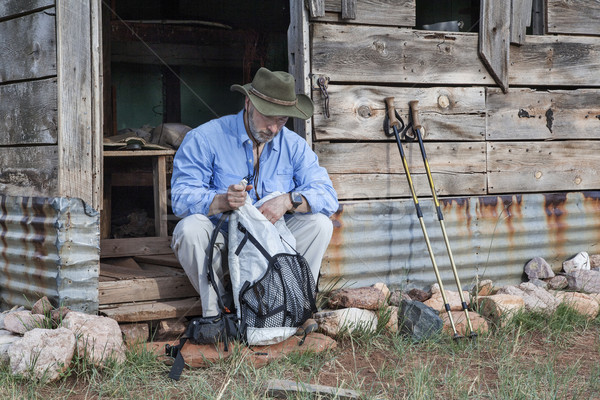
point(457, 336)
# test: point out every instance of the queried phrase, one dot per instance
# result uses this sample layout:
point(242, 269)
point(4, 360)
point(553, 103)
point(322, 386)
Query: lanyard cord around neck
point(258, 154)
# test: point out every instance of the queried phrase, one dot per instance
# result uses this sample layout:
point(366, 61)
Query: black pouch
point(207, 330)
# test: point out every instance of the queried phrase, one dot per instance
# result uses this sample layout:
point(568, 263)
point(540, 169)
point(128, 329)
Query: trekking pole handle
point(414, 110)
point(391, 113)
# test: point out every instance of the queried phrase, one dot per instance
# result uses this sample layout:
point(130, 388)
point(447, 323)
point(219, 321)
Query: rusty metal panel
point(491, 237)
point(49, 247)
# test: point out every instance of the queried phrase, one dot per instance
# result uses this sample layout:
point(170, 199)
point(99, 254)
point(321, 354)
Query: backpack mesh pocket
point(283, 297)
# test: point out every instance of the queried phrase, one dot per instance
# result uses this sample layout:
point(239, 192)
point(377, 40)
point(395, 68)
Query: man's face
point(263, 128)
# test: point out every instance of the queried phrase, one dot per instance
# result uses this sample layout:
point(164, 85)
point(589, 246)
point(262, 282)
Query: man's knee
point(193, 228)
point(324, 225)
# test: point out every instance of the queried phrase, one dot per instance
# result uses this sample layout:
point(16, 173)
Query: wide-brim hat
point(273, 93)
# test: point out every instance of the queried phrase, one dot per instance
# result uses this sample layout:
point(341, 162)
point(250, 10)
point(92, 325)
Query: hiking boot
point(310, 325)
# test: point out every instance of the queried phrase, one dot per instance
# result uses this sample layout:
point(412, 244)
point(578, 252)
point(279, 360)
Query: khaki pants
point(191, 238)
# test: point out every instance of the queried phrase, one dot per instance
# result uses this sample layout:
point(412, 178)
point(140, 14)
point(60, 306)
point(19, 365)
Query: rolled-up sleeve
point(190, 183)
point(313, 181)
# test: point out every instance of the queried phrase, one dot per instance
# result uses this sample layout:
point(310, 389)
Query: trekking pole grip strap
point(414, 110)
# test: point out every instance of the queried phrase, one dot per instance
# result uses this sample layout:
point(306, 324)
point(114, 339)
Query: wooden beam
point(160, 195)
point(357, 112)
point(574, 17)
point(285, 389)
point(29, 113)
point(97, 103)
point(372, 12)
point(137, 290)
point(494, 39)
point(29, 171)
point(29, 43)
point(515, 167)
point(348, 9)
point(384, 55)
point(135, 247)
point(299, 60)
point(520, 19)
point(154, 310)
point(316, 7)
point(76, 126)
point(526, 114)
point(11, 8)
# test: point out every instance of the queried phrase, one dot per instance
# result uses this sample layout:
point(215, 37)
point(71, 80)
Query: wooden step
point(128, 247)
point(160, 259)
point(145, 289)
point(152, 311)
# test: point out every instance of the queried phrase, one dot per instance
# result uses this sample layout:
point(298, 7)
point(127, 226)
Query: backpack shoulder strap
point(209, 267)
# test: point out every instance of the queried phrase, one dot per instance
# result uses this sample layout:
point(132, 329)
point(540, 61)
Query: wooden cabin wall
point(542, 135)
point(28, 98)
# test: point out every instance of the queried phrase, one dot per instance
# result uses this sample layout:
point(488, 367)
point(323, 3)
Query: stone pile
point(41, 343)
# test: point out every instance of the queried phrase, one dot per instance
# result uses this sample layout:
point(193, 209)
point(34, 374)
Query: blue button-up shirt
point(219, 153)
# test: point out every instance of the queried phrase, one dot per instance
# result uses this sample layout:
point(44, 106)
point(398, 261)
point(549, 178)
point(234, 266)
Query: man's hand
point(274, 209)
point(232, 200)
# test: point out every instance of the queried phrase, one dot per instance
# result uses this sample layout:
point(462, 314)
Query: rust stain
point(554, 207)
point(334, 251)
point(463, 211)
point(39, 235)
point(3, 233)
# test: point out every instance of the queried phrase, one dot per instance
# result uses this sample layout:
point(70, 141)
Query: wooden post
point(494, 39)
point(299, 60)
point(159, 172)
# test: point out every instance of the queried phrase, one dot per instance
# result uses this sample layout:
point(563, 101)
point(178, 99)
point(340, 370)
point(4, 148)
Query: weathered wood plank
point(515, 167)
point(385, 55)
point(556, 60)
point(160, 259)
point(135, 247)
point(357, 112)
point(136, 290)
point(526, 114)
point(153, 311)
point(372, 12)
point(384, 158)
point(520, 19)
point(29, 171)
point(10, 8)
point(76, 136)
point(29, 114)
point(376, 186)
point(494, 39)
point(574, 17)
point(28, 46)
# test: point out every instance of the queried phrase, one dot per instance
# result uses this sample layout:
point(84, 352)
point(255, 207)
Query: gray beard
point(256, 134)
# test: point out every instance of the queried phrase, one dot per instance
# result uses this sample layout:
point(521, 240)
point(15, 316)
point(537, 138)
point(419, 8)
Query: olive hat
point(273, 93)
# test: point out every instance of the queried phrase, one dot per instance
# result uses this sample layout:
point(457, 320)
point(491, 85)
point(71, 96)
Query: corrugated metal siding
point(49, 247)
point(491, 238)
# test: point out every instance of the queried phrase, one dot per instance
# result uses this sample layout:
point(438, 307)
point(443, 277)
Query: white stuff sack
point(251, 264)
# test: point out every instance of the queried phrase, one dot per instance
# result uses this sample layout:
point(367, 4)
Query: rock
point(58, 314)
point(534, 298)
point(98, 338)
point(594, 261)
point(42, 306)
point(485, 288)
point(418, 320)
point(584, 281)
point(383, 288)
point(437, 302)
point(7, 339)
point(558, 282)
point(595, 296)
point(42, 354)
point(499, 307)
point(367, 298)
point(392, 324)
point(418, 295)
point(135, 333)
point(332, 322)
point(581, 302)
point(479, 324)
point(539, 283)
point(314, 343)
point(170, 328)
point(396, 297)
point(580, 261)
point(538, 268)
point(23, 321)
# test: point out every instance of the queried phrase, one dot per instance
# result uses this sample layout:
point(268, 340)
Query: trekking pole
point(414, 107)
point(395, 121)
